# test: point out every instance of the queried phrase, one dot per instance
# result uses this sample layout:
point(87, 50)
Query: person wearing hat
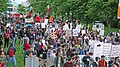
point(103, 62)
point(68, 63)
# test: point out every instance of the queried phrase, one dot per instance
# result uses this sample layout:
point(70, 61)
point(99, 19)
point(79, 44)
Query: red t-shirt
point(68, 64)
point(27, 46)
point(103, 63)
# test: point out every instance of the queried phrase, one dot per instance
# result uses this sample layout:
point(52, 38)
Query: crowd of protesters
point(52, 43)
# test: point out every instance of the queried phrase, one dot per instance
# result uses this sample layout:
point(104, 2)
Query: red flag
point(29, 14)
point(118, 10)
point(37, 19)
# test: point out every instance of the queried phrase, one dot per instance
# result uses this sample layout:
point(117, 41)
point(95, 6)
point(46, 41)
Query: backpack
point(11, 52)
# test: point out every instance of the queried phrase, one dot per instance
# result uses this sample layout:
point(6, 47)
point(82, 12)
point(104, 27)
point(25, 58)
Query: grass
point(19, 56)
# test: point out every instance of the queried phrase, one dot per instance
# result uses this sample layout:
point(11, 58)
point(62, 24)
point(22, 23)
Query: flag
point(29, 14)
point(50, 19)
point(118, 10)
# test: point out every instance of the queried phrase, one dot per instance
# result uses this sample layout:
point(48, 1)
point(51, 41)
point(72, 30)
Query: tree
point(3, 5)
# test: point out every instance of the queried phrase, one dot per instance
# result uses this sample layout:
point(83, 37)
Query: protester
point(81, 51)
point(58, 61)
point(6, 37)
point(26, 46)
point(111, 62)
point(96, 63)
point(86, 60)
point(68, 63)
point(102, 62)
point(3, 59)
point(1, 42)
point(11, 53)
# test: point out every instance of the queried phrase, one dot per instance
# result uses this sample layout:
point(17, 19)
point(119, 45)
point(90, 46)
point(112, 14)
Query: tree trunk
point(108, 24)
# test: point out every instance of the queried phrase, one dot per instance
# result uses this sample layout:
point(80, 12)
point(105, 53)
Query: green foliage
point(93, 9)
point(3, 5)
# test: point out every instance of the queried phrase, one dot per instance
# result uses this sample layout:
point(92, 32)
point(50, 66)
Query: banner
point(106, 49)
point(98, 48)
point(75, 32)
point(115, 51)
point(118, 16)
point(32, 62)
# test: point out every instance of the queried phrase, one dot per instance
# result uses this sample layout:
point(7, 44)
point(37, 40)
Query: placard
point(46, 21)
point(43, 25)
point(115, 51)
point(32, 62)
point(98, 48)
point(8, 25)
point(83, 31)
point(75, 32)
point(68, 33)
point(106, 49)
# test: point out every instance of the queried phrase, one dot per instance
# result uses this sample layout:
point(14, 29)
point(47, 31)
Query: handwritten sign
point(115, 51)
point(106, 49)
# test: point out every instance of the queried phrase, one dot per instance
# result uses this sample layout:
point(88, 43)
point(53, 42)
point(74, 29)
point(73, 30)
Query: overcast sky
point(19, 1)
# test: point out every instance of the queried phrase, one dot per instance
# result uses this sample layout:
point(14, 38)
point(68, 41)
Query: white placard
point(115, 51)
point(78, 27)
point(31, 62)
point(29, 20)
point(43, 25)
point(46, 21)
point(83, 31)
point(98, 49)
point(75, 32)
point(106, 49)
point(8, 25)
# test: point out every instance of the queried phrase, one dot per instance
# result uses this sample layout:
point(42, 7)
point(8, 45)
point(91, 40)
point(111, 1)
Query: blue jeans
point(13, 41)
point(12, 59)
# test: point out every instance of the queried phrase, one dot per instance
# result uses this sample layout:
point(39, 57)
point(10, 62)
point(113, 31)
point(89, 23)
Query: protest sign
point(115, 51)
point(106, 49)
point(98, 48)
point(46, 21)
point(29, 20)
point(8, 25)
point(68, 33)
point(83, 31)
point(43, 25)
point(32, 62)
point(75, 32)
point(78, 27)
